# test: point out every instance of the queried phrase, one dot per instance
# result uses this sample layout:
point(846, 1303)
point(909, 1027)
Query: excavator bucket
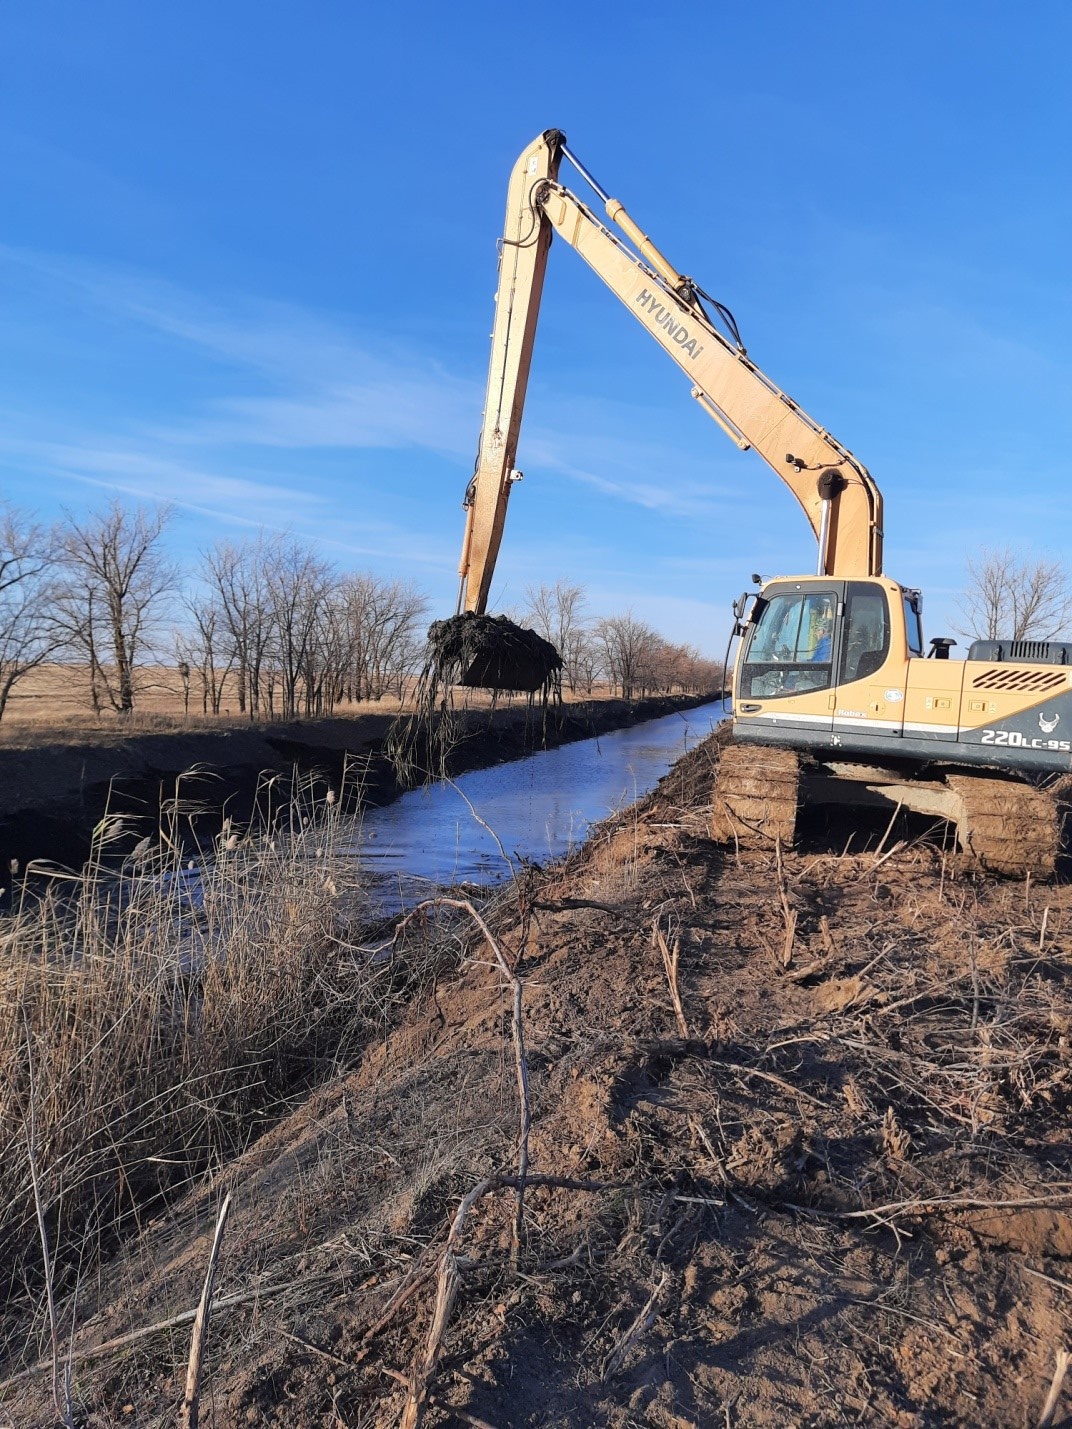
point(491, 652)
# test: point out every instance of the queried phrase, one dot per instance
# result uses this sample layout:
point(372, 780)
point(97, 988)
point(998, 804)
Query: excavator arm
point(841, 501)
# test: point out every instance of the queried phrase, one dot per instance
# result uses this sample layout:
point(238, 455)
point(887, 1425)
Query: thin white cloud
point(233, 500)
point(150, 475)
point(326, 390)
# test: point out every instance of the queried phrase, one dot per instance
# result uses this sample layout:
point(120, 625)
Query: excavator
point(834, 698)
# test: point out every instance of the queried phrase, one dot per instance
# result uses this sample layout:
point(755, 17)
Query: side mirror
point(740, 605)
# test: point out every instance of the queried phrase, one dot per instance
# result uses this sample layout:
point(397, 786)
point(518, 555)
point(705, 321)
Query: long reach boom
point(841, 501)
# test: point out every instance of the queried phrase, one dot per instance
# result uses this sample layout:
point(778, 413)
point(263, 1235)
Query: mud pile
point(469, 651)
point(492, 652)
point(799, 1155)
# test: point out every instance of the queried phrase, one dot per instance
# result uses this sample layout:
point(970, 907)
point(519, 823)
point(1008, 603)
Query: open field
point(797, 1129)
point(52, 704)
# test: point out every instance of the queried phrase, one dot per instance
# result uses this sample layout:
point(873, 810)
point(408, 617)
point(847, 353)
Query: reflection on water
point(537, 808)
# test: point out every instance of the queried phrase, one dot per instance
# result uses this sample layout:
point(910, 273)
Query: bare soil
point(834, 1188)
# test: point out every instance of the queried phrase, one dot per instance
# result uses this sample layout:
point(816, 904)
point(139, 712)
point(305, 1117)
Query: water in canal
point(539, 807)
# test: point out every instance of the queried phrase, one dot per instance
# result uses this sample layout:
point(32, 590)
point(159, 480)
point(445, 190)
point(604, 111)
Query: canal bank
point(53, 796)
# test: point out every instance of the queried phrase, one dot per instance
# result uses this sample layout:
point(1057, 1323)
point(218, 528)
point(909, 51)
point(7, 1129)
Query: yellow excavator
point(834, 699)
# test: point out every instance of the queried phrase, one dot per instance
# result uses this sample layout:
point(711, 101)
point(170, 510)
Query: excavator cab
point(826, 659)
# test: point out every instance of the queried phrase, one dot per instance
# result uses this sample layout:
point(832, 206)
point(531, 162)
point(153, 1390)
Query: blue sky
point(247, 263)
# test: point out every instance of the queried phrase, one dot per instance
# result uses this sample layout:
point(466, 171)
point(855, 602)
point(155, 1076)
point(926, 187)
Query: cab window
point(913, 624)
point(866, 640)
point(791, 648)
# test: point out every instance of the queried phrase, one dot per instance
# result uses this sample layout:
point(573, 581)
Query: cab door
point(870, 692)
point(786, 669)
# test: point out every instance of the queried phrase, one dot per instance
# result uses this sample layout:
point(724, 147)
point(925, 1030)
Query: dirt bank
point(833, 1186)
point(52, 796)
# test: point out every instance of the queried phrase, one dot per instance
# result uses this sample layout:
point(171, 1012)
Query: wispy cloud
point(151, 476)
point(322, 388)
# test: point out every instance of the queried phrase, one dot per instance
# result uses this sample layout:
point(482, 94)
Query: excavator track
point(1004, 827)
point(1007, 828)
point(757, 796)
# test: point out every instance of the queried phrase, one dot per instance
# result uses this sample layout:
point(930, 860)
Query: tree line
point(273, 626)
point(267, 622)
point(618, 650)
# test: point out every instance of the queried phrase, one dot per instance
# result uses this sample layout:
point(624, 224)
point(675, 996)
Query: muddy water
point(535, 808)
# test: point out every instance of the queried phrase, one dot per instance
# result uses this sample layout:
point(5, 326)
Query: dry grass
point(153, 1016)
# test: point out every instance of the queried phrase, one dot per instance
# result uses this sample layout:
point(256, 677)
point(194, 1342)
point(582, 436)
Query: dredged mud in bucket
point(491, 652)
point(475, 652)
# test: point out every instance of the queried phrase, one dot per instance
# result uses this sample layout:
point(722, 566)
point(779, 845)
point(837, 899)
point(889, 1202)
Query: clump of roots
point(491, 652)
point(475, 652)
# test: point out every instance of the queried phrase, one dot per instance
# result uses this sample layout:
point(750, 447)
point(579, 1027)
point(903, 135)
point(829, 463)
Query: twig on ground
point(827, 936)
point(774, 1080)
point(643, 1322)
point(314, 1349)
point(930, 1205)
point(889, 829)
point(1049, 1279)
point(670, 962)
point(191, 1398)
point(896, 848)
point(1062, 1360)
point(789, 915)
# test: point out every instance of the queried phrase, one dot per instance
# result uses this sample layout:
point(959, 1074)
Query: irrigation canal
point(537, 808)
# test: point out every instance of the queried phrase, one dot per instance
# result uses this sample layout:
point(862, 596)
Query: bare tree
point(582, 660)
point(28, 636)
point(628, 648)
point(1015, 596)
point(557, 613)
point(237, 576)
point(205, 647)
point(299, 582)
point(384, 619)
point(116, 581)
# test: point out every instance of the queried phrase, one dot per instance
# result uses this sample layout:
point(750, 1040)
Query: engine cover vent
point(1009, 677)
point(1025, 652)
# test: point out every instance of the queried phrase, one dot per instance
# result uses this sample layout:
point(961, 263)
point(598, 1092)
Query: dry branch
point(1063, 1360)
point(448, 1280)
point(189, 1413)
point(670, 962)
point(643, 1322)
point(463, 905)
